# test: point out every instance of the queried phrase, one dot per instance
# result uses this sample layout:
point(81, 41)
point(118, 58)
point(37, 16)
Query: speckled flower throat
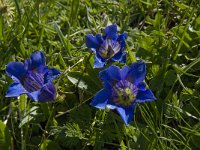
point(33, 81)
point(109, 48)
point(124, 93)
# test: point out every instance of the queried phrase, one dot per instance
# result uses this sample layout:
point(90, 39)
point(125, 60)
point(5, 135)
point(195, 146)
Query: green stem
point(122, 145)
point(48, 123)
point(1, 27)
point(22, 107)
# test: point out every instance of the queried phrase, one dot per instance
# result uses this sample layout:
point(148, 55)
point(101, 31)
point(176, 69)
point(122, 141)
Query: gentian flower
point(123, 88)
point(108, 47)
point(33, 78)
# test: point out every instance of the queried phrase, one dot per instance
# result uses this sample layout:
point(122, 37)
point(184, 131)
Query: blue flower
point(108, 47)
point(33, 78)
point(123, 88)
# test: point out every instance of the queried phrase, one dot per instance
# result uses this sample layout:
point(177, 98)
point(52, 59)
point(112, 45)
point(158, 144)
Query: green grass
point(165, 34)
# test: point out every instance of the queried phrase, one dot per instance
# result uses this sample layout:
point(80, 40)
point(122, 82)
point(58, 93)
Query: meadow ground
point(165, 34)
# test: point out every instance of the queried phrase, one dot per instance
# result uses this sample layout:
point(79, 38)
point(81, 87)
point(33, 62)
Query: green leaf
point(84, 81)
point(170, 77)
point(62, 39)
point(61, 60)
point(196, 141)
point(5, 138)
point(74, 11)
point(29, 116)
point(49, 145)
point(146, 42)
point(1, 27)
point(181, 5)
point(73, 130)
point(130, 54)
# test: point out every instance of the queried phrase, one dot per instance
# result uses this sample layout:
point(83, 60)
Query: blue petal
point(27, 64)
point(16, 80)
point(108, 85)
point(34, 95)
point(100, 100)
point(39, 69)
point(111, 74)
point(42, 69)
point(98, 63)
point(37, 59)
point(126, 113)
point(117, 56)
point(91, 41)
point(124, 72)
point(137, 72)
point(51, 74)
point(145, 96)
point(111, 106)
point(111, 31)
point(47, 93)
point(93, 49)
point(16, 69)
point(15, 90)
point(99, 38)
point(121, 39)
point(123, 58)
point(120, 57)
point(31, 64)
point(141, 86)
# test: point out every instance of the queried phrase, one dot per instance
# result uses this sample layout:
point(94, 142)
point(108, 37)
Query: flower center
point(109, 48)
point(124, 93)
point(33, 81)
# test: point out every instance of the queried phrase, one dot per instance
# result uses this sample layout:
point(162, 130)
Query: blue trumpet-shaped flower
point(33, 78)
point(108, 47)
point(123, 88)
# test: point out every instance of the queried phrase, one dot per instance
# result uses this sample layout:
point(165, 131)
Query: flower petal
point(98, 63)
point(42, 69)
point(16, 69)
point(99, 38)
point(124, 72)
point(47, 93)
point(145, 96)
point(111, 74)
point(100, 100)
point(111, 106)
point(121, 39)
point(37, 59)
point(27, 64)
point(126, 113)
point(15, 90)
point(108, 85)
point(91, 41)
point(120, 57)
point(141, 86)
point(111, 32)
point(34, 95)
point(137, 72)
point(51, 74)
